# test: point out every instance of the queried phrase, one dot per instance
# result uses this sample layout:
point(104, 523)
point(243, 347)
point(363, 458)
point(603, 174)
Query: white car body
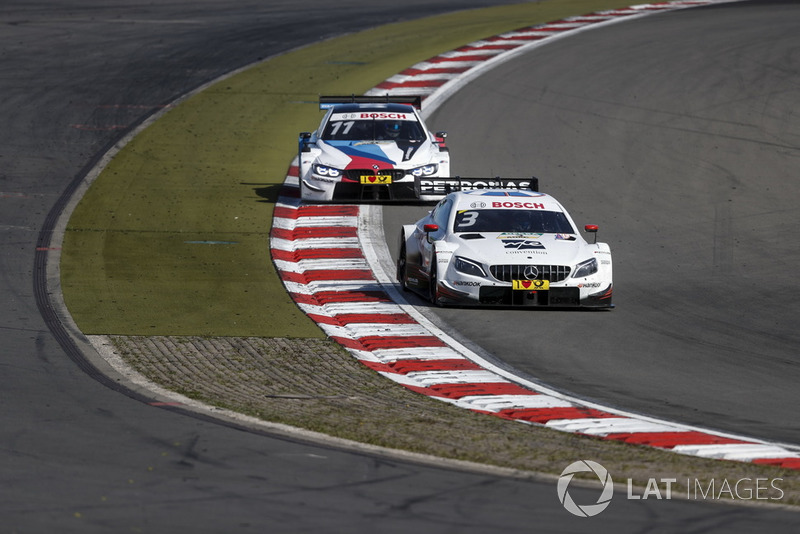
point(498, 247)
point(370, 148)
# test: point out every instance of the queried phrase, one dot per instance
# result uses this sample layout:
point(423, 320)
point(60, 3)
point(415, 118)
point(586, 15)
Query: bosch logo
point(529, 205)
point(383, 115)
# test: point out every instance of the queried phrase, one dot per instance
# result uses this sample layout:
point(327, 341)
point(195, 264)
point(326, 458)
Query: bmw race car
point(370, 148)
point(503, 247)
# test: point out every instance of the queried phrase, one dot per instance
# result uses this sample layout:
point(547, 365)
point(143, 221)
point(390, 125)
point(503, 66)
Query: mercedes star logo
point(531, 272)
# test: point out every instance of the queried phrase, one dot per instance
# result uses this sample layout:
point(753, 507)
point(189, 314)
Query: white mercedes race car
point(370, 148)
point(503, 247)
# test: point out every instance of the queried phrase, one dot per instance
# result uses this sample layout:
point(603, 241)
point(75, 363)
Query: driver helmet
point(392, 129)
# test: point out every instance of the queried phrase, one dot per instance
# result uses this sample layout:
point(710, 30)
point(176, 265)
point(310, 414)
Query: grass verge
point(289, 381)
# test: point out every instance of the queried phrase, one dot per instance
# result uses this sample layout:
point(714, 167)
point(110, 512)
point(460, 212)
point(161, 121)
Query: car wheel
point(401, 265)
point(433, 284)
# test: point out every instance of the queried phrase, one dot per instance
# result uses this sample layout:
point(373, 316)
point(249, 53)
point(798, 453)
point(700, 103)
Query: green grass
point(209, 170)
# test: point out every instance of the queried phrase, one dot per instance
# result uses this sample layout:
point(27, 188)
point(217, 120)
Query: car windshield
point(373, 130)
point(505, 220)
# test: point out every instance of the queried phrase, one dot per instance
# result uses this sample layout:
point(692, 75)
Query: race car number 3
point(376, 179)
point(531, 285)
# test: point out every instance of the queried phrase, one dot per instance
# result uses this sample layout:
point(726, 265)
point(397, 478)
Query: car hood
point(494, 248)
point(367, 154)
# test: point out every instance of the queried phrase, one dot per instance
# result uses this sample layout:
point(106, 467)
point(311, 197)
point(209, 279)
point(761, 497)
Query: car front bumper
point(566, 296)
point(349, 191)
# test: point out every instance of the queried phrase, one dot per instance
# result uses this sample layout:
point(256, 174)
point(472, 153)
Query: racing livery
point(504, 247)
point(370, 148)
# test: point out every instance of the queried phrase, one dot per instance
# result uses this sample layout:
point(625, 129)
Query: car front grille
point(507, 273)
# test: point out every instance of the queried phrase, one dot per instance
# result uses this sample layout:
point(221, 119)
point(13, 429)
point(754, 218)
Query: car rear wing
point(326, 102)
point(443, 186)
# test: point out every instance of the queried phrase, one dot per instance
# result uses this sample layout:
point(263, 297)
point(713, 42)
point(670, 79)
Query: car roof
point(504, 199)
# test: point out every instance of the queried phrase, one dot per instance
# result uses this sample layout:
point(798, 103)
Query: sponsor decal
point(530, 285)
point(517, 235)
point(442, 185)
point(589, 286)
point(466, 283)
point(522, 244)
point(477, 205)
point(375, 179)
point(385, 115)
point(375, 115)
point(518, 205)
point(565, 237)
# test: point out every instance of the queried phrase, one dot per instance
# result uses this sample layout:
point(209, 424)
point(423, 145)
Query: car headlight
point(585, 268)
point(324, 170)
point(425, 170)
point(463, 265)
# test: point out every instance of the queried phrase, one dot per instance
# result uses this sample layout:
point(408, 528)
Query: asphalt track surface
point(78, 454)
point(678, 135)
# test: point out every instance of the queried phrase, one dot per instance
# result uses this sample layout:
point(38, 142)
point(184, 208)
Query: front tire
point(402, 275)
point(433, 284)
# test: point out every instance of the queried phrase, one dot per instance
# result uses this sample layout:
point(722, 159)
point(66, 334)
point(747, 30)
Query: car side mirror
point(304, 138)
point(428, 228)
point(441, 138)
point(592, 229)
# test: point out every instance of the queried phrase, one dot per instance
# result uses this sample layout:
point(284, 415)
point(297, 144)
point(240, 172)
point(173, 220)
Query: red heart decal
point(526, 284)
point(373, 178)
